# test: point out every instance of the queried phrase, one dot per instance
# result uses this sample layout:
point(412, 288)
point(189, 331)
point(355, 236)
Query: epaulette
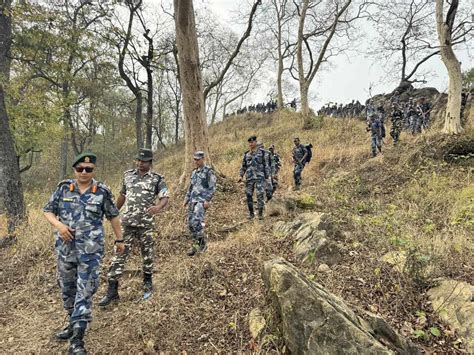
point(129, 171)
point(159, 175)
point(104, 187)
point(65, 182)
point(248, 151)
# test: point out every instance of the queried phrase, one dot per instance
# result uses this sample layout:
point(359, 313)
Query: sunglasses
point(80, 169)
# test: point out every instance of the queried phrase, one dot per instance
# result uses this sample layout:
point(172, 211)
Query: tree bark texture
point(195, 123)
point(11, 191)
point(452, 121)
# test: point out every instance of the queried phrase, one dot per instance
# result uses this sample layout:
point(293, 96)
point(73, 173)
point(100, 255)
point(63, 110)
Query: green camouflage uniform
point(140, 193)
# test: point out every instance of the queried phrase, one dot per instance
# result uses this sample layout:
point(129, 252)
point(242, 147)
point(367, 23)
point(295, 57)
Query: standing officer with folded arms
point(76, 209)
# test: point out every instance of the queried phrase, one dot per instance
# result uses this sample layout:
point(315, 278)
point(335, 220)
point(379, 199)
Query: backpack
point(309, 154)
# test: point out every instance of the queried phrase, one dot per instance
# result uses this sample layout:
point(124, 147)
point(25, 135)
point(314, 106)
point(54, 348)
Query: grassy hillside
point(416, 199)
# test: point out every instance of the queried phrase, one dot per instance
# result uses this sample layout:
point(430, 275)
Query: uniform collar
point(76, 185)
point(138, 174)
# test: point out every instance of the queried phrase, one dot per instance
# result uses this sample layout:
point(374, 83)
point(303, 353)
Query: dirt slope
point(403, 200)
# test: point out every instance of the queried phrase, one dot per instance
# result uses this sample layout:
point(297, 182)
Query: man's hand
point(120, 248)
point(154, 210)
point(206, 205)
point(66, 233)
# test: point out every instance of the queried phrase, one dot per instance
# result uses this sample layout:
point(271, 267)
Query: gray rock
point(314, 321)
point(310, 232)
point(453, 301)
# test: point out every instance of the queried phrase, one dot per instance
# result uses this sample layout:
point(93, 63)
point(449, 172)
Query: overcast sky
point(349, 76)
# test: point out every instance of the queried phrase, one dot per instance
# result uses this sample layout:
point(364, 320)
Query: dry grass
point(405, 200)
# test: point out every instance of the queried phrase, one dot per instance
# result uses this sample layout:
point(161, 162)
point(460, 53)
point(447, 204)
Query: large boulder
point(453, 301)
point(314, 321)
point(310, 232)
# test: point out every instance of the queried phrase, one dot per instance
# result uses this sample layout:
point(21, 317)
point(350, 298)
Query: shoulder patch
point(65, 182)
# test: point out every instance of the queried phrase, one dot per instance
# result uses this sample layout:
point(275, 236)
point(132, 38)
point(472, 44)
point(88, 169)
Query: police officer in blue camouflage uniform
point(76, 210)
point(275, 167)
point(375, 128)
point(268, 182)
point(146, 194)
point(200, 192)
point(256, 168)
point(299, 159)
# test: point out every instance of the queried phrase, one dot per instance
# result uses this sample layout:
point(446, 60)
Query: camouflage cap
point(86, 157)
point(198, 155)
point(145, 154)
point(252, 139)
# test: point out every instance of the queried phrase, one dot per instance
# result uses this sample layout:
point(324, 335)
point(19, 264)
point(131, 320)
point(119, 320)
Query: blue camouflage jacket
point(84, 214)
point(255, 165)
point(202, 186)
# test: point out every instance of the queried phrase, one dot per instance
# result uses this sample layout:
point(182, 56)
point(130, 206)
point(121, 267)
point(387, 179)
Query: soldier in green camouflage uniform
point(76, 210)
point(397, 123)
point(200, 192)
point(140, 189)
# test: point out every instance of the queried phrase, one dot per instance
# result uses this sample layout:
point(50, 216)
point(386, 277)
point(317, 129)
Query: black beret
point(252, 139)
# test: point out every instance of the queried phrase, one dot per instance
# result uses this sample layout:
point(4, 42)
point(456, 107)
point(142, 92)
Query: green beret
point(86, 157)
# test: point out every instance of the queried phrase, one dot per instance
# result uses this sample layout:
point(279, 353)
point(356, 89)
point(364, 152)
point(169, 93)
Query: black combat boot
point(202, 244)
point(77, 342)
point(260, 213)
point(65, 334)
point(147, 286)
point(112, 294)
point(251, 213)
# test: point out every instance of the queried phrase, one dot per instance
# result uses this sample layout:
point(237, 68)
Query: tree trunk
point(138, 119)
point(280, 102)
point(149, 111)
point(305, 105)
point(452, 122)
point(195, 123)
point(176, 124)
point(299, 57)
point(63, 158)
point(11, 191)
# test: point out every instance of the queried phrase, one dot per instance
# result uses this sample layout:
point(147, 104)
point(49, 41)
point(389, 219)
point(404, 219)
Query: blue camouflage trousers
point(252, 185)
point(78, 278)
point(298, 169)
point(376, 144)
point(196, 214)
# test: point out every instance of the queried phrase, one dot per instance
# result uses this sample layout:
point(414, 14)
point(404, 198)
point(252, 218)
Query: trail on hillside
point(202, 304)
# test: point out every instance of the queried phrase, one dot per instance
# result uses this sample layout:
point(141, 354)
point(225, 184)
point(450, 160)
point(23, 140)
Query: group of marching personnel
point(352, 109)
point(412, 116)
point(77, 207)
point(268, 107)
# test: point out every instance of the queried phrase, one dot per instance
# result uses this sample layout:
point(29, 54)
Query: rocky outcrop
point(314, 321)
point(310, 232)
point(454, 302)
